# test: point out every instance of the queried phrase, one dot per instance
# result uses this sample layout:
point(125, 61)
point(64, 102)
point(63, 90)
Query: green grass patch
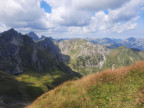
point(118, 94)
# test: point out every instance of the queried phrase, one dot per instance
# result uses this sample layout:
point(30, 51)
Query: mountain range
point(19, 53)
point(87, 57)
point(110, 43)
point(35, 65)
point(137, 43)
point(93, 55)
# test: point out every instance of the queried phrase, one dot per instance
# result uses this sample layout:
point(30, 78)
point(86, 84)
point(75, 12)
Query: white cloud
point(97, 5)
point(22, 14)
point(117, 21)
point(71, 16)
point(79, 12)
point(127, 11)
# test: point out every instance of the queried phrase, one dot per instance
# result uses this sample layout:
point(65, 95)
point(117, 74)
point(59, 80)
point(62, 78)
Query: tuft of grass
point(117, 88)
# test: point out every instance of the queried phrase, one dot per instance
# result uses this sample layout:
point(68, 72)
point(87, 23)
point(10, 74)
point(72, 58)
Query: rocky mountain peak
point(33, 36)
point(10, 36)
point(42, 37)
point(12, 31)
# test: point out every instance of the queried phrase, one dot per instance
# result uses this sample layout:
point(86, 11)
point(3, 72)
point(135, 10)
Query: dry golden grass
point(73, 94)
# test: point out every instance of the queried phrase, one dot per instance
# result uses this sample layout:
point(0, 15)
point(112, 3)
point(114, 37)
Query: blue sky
point(74, 18)
point(44, 5)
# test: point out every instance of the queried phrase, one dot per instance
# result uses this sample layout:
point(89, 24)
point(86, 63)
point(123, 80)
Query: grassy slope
point(119, 88)
point(122, 56)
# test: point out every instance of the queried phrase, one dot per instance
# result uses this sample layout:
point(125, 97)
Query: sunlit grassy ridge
point(119, 88)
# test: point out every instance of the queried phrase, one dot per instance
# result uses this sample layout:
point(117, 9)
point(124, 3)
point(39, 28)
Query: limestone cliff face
point(84, 55)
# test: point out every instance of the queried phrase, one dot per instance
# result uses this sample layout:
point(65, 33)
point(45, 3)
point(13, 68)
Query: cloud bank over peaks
point(71, 16)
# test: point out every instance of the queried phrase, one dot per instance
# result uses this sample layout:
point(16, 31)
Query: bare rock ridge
point(20, 53)
point(93, 55)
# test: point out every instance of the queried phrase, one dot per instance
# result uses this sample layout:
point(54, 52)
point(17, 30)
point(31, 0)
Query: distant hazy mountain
point(61, 39)
point(132, 42)
point(33, 36)
point(107, 42)
point(110, 43)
